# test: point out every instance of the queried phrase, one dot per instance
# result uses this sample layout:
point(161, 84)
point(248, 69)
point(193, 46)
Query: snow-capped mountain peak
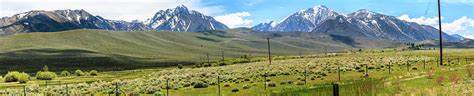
point(303, 20)
point(184, 20)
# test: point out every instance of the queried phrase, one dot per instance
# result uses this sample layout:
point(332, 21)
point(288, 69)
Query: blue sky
point(458, 15)
point(420, 11)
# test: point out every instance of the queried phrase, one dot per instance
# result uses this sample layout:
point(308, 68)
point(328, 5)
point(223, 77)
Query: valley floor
point(411, 73)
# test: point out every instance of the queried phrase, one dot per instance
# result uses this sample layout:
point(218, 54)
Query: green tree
point(45, 68)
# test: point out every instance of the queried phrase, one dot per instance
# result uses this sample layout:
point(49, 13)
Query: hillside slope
point(92, 49)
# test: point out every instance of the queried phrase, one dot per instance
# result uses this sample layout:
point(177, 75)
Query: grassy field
point(410, 75)
point(100, 49)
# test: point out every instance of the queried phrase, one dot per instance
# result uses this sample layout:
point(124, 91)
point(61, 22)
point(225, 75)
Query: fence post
point(466, 60)
point(335, 89)
point(389, 67)
point(305, 70)
point(67, 90)
point(116, 89)
point(168, 87)
point(24, 90)
point(459, 61)
point(437, 62)
point(218, 85)
point(265, 81)
point(366, 70)
point(339, 72)
point(408, 66)
point(424, 64)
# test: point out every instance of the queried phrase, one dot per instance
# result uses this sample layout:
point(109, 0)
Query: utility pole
point(269, 62)
point(440, 34)
point(269, 52)
point(208, 61)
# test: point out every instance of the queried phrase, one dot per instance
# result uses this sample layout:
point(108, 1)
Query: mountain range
point(362, 23)
point(178, 19)
point(319, 19)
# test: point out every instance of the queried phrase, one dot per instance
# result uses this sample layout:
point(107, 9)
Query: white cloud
point(421, 20)
point(111, 9)
point(460, 25)
point(468, 2)
point(235, 19)
point(469, 36)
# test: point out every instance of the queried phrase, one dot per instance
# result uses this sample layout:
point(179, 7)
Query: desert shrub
point(271, 84)
point(440, 80)
point(87, 73)
point(246, 79)
point(11, 76)
point(289, 82)
point(282, 83)
point(23, 77)
point(300, 83)
point(151, 89)
point(180, 66)
point(235, 90)
point(200, 84)
point(45, 75)
point(470, 71)
point(93, 72)
point(454, 78)
point(159, 94)
point(246, 87)
point(45, 68)
point(226, 85)
point(79, 73)
point(65, 73)
point(430, 74)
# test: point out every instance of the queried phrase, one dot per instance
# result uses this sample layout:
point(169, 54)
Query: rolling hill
point(94, 49)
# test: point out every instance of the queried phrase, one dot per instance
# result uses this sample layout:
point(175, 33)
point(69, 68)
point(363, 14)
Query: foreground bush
point(11, 76)
point(23, 77)
point(45, 75)
point(93, 72)
point(200, 84)
point(470, 71)
point(65, 73)
point(79, 73)
point(15, 76)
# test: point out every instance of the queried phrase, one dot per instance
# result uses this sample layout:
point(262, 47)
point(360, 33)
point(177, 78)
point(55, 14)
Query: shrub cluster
point(15, 76)
point(93, 72)
point(79, 73)
point(45, 75)
point(65, 73)
point(200, 84)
